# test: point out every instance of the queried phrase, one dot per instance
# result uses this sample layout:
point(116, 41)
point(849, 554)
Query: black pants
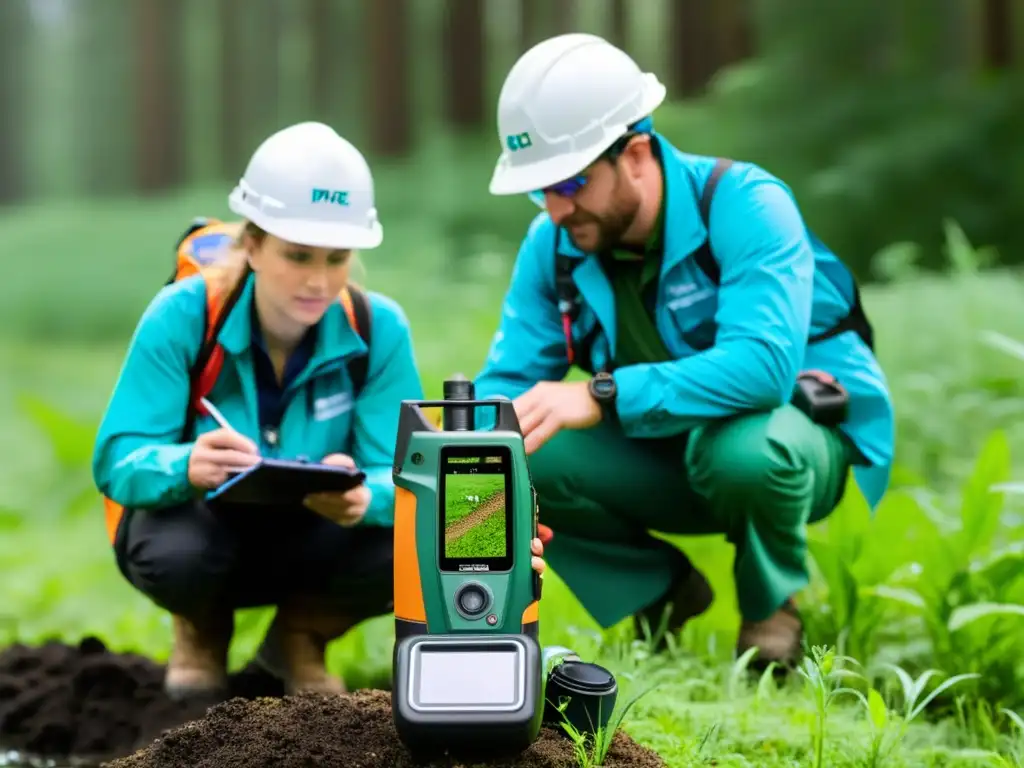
point(192, 559)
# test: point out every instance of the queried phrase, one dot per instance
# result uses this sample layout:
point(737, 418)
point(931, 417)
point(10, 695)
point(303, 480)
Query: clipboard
point(281, 482)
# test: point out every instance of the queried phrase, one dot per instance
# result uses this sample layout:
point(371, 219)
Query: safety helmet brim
point(339, 235)
point(511, 179)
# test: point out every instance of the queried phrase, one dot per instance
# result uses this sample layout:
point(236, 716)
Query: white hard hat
point(308, 185)
point(564, 102)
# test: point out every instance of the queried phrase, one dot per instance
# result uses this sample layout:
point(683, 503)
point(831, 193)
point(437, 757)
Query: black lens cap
point(584, 677)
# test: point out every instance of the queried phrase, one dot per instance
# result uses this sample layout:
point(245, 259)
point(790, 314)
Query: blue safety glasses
point(569, 187)
point(566, 188)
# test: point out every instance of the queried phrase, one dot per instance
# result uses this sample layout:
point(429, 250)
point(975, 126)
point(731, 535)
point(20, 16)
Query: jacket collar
point(683, 230)
point(336, 338)
point(683, 234)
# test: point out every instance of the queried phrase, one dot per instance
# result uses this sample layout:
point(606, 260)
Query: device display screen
point(476, 509)
point(467, 679)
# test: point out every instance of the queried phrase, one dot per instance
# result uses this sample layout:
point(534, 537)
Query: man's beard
point(611, 227)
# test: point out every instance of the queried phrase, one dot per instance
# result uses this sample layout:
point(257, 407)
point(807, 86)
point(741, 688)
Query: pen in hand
point(217, 415)
point(221, 453)
point(248, 446)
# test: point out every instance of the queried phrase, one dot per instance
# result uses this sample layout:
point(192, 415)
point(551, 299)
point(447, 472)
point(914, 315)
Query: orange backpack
point(199, 246)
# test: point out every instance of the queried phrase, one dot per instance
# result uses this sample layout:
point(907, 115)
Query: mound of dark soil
point(86, 702)
point(354, 731)
point(60, 700)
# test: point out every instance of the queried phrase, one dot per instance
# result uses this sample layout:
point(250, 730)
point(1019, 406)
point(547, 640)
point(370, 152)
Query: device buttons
point(472, 599)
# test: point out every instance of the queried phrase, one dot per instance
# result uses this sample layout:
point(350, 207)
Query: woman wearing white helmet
point(288, 383)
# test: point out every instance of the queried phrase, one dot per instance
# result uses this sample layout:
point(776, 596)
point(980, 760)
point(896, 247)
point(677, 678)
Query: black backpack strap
point(704, 256)
point(358, 367)
point(855, 320)
point(568, 296)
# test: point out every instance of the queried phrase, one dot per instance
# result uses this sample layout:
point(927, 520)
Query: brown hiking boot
point(778, 638)
point(295, 647)
point(690, 595)
point(198, 661)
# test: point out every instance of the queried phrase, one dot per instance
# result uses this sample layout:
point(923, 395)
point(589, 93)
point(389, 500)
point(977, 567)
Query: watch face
point(604, 387)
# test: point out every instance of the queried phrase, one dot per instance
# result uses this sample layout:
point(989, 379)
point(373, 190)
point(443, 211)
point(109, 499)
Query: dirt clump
point(354, 730)
point(60, 701)
point(88, 703)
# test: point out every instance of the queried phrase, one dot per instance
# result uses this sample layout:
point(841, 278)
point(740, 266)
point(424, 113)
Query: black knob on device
point(458, 387)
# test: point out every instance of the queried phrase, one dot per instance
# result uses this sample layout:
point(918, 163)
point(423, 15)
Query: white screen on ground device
point(467, 678)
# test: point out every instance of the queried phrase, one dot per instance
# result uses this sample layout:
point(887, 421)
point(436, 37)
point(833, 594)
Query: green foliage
point(932, 582)
point(872, 111)
point(823, 673)
point(929, 581)
point(886, 134)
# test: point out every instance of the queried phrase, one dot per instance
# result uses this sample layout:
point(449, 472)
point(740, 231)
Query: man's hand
point(553, 405)
point(346, 509)
point(537, 561)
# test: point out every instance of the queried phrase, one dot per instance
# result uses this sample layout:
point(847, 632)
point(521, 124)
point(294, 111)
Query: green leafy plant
point(591, 747)
point(823, 671)
point(71, 443)
point(1016, 751)
point(927, 583)
point(884, 723)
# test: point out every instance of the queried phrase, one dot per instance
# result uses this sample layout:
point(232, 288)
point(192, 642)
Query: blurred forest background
point(886, 116)
point(898, 123)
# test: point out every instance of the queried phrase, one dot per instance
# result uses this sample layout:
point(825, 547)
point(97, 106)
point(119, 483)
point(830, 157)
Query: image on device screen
point(474, 508)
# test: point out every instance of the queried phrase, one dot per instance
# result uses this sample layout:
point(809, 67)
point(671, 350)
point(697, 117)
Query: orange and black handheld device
point(467, 663)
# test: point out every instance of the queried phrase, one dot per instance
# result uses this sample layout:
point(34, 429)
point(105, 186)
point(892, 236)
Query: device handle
point(411, 419)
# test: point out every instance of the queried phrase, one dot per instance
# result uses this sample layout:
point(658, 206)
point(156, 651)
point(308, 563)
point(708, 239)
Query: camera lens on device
point(471, 600)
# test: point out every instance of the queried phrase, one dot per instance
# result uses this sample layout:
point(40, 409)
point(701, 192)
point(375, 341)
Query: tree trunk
point(249, 79)
point(390, 91)
point(232, 96)
point(562, 17)
point(618, 21)
point(464, 63)
point(322, 36)
point(998, 34)
point(734, 32)
point(159, 102)
point(263, 67)
point(691, 48)
point(530, 19)
point(14, 128)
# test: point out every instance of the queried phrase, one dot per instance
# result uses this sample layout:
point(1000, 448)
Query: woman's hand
point(346, 509)
point(217, 454)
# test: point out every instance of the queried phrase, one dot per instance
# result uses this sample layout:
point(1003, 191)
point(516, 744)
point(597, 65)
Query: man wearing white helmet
point(710, 320)
point(293, 371)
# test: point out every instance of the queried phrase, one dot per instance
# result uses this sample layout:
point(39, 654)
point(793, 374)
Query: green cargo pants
point(759, 479)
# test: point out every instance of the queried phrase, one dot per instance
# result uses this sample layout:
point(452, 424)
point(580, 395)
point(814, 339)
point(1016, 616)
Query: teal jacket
point(138, 461)
point(774, 295)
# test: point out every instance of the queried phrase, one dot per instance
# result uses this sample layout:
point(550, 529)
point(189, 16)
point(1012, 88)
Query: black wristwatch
point(602, 388)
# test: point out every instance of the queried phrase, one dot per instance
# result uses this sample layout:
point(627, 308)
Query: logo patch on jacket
point(332, 406)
